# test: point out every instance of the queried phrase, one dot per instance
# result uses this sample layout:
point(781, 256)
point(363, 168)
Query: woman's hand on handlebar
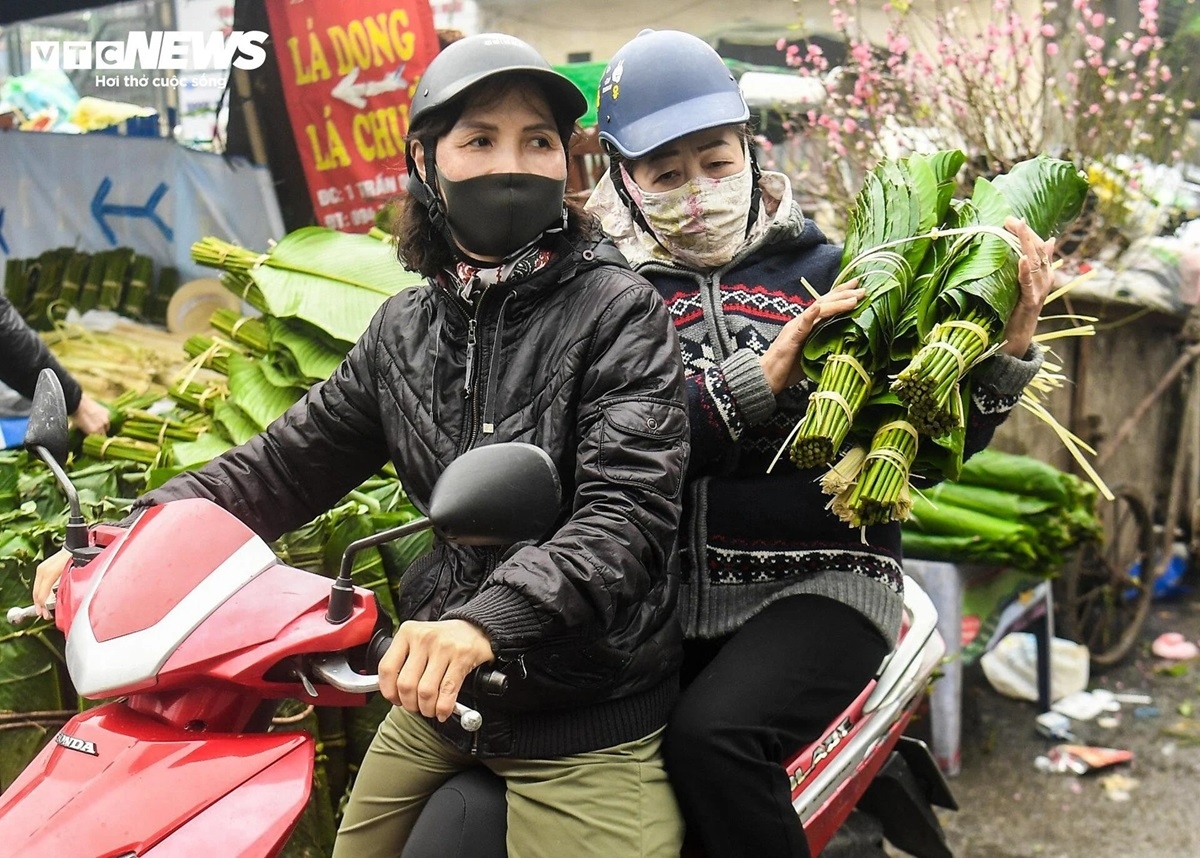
point(48, 573)
point(427, 662)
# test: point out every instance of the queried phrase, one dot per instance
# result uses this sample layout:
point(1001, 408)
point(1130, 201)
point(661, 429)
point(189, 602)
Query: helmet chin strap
point(755, 190)
point(425, 192)
point(618, 180)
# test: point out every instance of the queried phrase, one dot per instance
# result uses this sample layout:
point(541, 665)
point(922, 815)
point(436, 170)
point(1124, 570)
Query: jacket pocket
point(642, 443)
point(574, 673)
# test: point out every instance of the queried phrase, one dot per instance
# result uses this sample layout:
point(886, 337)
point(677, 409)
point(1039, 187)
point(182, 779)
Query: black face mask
point(498, 214)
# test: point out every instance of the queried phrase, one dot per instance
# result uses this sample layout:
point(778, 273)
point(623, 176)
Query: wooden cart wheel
point(1107, 585)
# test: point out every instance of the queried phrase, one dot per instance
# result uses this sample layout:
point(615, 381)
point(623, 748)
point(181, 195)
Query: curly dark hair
point(420, 246)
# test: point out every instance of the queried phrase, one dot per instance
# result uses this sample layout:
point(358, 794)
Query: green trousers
point(611, 803)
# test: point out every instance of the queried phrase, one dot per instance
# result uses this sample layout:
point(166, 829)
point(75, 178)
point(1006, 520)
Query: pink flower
point(1048, 31)
point(849, 126)
point(1098, 20)
point(1052, 49)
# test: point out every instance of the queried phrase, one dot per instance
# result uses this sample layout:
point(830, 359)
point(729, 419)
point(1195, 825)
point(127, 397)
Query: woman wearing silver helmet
point(787, 611)
point(529, 329)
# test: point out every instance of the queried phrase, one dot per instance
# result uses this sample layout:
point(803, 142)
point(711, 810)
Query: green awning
point(586, 76)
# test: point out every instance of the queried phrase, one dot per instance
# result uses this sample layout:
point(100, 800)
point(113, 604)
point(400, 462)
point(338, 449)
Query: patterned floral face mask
point(702, 223)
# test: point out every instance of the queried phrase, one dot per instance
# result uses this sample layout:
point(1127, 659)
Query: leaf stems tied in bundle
point(881, 492)
point(929, 385)
point(843, 388)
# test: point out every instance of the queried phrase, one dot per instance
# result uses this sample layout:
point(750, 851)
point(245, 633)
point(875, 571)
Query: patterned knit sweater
point(753, 537)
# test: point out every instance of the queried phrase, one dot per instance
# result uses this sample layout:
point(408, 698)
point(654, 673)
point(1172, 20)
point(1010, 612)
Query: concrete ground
point(1146, 809)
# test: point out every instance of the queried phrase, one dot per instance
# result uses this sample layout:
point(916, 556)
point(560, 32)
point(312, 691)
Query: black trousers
point(756, 698)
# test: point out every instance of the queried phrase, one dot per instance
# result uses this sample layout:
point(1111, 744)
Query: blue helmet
point(663, 85)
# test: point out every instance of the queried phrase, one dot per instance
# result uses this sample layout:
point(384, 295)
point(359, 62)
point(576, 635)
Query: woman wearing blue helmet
point(787, 611)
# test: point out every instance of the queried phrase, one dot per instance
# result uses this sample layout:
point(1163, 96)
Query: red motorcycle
point(196, 627)
point(197, 630)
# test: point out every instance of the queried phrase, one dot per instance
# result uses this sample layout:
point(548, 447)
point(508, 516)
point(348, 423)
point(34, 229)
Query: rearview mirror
point(496, 495)
point(48, 418)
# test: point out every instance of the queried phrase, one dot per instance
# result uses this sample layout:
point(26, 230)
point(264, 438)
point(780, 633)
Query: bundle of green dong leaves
point(940, 277)
point(1004, 510)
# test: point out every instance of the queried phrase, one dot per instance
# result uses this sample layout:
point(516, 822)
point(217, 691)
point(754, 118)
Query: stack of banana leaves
point(313, 293)
point(1004, 510)
point(35, 695)
point(44, 288)
point(940, 278)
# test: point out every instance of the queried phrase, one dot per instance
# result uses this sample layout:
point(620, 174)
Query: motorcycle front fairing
point(192, 622)
point(114, 782)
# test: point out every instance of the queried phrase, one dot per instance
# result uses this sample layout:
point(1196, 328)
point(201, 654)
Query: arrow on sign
point(349, 90)
point(101, 210)
point(3, 243)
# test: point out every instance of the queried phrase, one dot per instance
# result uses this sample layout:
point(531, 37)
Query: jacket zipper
point(471, 323)
point(469, 386)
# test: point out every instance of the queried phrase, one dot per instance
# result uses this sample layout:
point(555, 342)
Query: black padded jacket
point(579, 358)
point(23, 355)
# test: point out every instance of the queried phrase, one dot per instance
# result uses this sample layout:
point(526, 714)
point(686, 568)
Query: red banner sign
point(349, 72)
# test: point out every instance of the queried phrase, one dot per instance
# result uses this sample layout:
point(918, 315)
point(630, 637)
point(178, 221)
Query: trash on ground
point(1081, 759)
point(1146, 712)
point(1109, 722)
point(1186, 730)
point(1055, 725)
point(1011, 666)
point(1133, 698)
point(1118, 786)
point(1174, 647)
point(1086, 705)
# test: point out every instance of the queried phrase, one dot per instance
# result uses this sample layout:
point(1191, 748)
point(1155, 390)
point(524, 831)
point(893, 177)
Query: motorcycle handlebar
point(334, 669)
point(486, 681)
point(20, 616)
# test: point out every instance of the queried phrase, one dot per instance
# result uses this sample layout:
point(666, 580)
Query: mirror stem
point(341, 597)
point(77, 532)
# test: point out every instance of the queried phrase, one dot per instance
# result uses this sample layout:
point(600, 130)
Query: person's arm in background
point(23, 356)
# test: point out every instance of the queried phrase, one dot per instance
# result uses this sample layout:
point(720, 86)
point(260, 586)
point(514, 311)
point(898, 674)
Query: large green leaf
point(1046, 192)
point(234, 423)
point(251, 392)
point(191, 454)
point(333, 280)
point(981, 271)
point(887, 239)
point(315, 356)
point(8, 483)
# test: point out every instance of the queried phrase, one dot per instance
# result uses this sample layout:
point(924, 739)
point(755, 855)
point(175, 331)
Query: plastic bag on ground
point(1011, 667)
